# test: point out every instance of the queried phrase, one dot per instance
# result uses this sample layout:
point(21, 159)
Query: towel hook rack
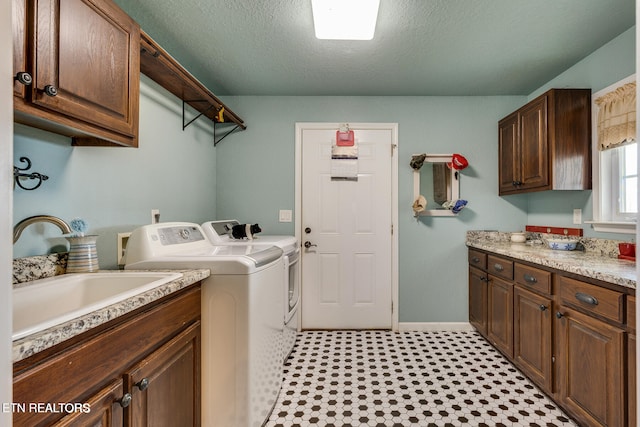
point(18, 175)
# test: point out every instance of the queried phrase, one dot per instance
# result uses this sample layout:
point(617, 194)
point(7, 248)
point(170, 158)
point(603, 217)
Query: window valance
point(617, 117)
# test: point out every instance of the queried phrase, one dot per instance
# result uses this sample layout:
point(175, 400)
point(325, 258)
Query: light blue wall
point(113, 188)
point(256, 173)
point(256, 179)
point(609, 64)
point(250, 175)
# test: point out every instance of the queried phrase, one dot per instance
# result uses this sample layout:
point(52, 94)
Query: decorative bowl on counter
point(562, 245)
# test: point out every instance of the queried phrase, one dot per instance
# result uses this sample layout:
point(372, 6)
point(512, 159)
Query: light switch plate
point(285, 215)
point(577, 216)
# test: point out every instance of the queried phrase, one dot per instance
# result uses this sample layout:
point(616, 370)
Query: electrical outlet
point(155, 216)
point(285, 215)
point(123, 238)
point(577, 216)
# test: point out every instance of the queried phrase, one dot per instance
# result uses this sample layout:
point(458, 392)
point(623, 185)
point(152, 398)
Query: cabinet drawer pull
point(498, 267)
point(24, 78)
point(543, 307)
point(529, 278)
point(475, 260)
point(586, 298)
point(143, 384)
point(125, 401)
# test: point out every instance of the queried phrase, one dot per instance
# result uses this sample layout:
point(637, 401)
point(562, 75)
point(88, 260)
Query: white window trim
point(598, 223)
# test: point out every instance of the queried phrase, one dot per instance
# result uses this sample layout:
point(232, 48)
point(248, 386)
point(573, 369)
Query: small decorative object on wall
point(344, 156)
point(18, 175)
point(436, 183)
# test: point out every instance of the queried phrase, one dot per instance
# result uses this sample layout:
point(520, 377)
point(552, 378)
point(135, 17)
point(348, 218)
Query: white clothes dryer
point(218, 233)
point(242, 353)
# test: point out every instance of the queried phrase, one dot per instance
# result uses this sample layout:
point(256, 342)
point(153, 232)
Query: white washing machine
point(218, 233)
point(241, 317)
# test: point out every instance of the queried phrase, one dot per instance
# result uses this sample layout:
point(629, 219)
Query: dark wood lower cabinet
point(478, 299)
point(532, 338)
point(574, 337)
point(591, 366)
point(500, 314)
point(164, 386)
point(140, 369)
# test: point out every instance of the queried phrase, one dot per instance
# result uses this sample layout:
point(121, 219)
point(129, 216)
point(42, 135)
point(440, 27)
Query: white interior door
point(347, 272)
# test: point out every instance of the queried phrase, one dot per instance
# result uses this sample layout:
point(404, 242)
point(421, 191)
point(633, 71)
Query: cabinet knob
point(559, 315)
point(498, 267)
point(516, 183)
point(143, 384)
point(50, 90)
point(475, 260)
point(125, 401)
point(543, 307)
point(24, 78)
point(529, 278)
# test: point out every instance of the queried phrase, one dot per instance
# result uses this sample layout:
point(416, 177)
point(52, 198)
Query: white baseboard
point(435, 326)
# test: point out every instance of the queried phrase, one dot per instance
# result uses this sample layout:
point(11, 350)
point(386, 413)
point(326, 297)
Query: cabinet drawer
point(478, 259)
point(594, 299)
point(500, 267)
point(631, 311)
point(533, 278)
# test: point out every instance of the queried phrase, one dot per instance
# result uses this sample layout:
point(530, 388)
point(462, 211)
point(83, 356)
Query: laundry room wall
point(256, 178)
point(255, 173)
point(114, 188)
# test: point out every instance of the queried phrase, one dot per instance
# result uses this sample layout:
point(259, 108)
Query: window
point(615, 158)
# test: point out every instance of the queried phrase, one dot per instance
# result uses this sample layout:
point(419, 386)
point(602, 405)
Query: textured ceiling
point(421, 47)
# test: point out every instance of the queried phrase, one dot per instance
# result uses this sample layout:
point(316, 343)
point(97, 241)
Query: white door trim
point(394, 198)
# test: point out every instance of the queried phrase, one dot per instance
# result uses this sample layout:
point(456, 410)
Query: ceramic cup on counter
point(518, 237)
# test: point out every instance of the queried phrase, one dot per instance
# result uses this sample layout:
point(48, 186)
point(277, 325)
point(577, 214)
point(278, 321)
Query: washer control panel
point(179, 235)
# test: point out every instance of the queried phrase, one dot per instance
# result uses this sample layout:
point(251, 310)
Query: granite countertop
point(32, 344)
point(585, 263)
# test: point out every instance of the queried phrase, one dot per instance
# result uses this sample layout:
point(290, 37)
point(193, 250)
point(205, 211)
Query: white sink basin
point(48, 302)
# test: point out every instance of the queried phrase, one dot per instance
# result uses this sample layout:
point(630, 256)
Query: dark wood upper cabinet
point(83, 60)
point(546, 144)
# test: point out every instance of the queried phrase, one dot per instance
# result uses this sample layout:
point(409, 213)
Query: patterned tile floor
point(380, 378)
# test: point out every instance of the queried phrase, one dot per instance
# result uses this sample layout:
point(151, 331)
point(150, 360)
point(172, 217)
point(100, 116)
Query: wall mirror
point(437, 183)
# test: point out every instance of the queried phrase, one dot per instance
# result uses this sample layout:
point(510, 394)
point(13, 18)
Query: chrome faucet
point(17, 230)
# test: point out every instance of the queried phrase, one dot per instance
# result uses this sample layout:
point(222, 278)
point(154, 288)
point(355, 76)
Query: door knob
point(308, 244)
point(307, 230)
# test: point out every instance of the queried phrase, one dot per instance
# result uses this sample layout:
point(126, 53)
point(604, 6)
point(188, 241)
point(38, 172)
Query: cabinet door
point(591, 368)
point(500, 314)
point(87, 52)
point(508, 155)
point(478, 299)
point(534, 160)
point(19, 24)
point(532, 315)
point(165, 387)
point(102, 410)
point(631, 375)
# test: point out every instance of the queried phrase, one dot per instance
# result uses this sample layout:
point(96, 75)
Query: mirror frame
point(455, 185)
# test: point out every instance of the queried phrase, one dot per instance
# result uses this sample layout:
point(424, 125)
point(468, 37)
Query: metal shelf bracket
point(216, 140)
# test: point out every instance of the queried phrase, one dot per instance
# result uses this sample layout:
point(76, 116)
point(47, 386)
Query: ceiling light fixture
point(345, 19)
